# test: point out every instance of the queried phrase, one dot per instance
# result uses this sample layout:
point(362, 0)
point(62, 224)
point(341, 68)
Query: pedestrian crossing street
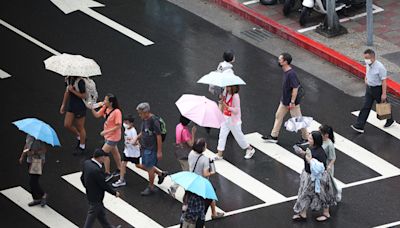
point(268, 195)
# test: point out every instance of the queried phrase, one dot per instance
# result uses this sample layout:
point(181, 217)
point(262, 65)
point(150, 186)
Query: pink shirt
point(236, 114)
point(182, 134)
point(114, 119)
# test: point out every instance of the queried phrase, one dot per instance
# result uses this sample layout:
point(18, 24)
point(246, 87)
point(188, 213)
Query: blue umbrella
point(39, 130)
point(195, 183)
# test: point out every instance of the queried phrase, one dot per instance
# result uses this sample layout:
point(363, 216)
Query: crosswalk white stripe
point(116, 205)
point(388, 225)
point(393, 130)
point(362, 155)
point(245, 181)
point(280, 154)
point(46, 214)
point(4, 74)
point(165, 185)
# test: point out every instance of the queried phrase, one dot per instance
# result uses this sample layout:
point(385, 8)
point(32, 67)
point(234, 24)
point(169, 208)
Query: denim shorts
point(110, 143)
point(149, 159)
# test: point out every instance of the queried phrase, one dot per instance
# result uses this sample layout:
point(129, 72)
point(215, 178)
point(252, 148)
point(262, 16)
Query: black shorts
point(77, 113)
point(131, 159)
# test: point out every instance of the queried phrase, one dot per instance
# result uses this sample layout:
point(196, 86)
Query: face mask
point(368, 61)
point(126, 126)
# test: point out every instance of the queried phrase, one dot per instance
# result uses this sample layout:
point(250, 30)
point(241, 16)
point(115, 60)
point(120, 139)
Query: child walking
point(131, 151)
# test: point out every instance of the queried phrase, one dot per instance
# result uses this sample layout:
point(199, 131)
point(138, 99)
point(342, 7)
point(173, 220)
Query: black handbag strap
point(196, 162)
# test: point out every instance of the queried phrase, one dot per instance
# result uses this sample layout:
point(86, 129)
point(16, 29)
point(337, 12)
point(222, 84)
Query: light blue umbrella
point(39, 130)
point(195, 183)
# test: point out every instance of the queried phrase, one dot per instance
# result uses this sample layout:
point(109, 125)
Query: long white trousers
point(237, 133)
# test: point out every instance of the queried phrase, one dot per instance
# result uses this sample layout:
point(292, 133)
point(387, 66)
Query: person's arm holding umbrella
point(24, 151)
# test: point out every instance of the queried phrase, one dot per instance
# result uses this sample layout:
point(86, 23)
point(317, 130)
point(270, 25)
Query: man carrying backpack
point(151, 140)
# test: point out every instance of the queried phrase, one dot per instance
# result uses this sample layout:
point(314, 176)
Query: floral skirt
point(308, 198)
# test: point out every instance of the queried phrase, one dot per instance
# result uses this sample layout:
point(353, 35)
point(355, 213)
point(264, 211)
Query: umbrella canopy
point(200, 110)
point(296, 123)
point(72, 65)
point(226, 78)
point(39, 130)
point(195, 183)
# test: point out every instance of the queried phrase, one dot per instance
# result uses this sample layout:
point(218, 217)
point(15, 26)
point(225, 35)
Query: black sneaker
point(109, 177)
point(388, 123)
point(270, 138)
point(357, 128)
point(147, 191)
point(78, 151)
point(302, 142)
point(115, 173)
point(161, 177)
point(34, 203)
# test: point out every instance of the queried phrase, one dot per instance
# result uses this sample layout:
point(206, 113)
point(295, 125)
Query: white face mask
point(368, 61)
point(126, 126)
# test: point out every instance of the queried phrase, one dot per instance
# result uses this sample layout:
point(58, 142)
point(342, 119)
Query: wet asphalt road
point(186, 47)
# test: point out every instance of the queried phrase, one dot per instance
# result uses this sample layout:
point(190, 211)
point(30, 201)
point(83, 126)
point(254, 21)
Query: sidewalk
point(344, 51)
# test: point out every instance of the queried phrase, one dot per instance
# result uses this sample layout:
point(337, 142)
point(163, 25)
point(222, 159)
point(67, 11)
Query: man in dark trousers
point(93, 178)
point(375, 90)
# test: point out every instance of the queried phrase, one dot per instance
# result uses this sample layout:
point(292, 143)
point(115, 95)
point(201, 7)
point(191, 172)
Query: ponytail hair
point(326, 129)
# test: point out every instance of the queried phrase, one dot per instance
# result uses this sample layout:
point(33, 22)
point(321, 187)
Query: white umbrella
point(72, 65)
point(226, 78)
point(296, 123)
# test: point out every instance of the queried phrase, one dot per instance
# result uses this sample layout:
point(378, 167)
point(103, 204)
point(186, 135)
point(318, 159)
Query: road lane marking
point(116, 205)
point(393, 224)
point(68, 6)
point(46, 214)
point(30, 38)
point(280, 154)
point(4, 74)
point(165, 185)
point(376, 9)
point(245, 181)
point(362, 155)
point(393, 130)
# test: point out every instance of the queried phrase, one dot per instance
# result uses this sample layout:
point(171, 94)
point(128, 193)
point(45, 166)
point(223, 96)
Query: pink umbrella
point(200, 110)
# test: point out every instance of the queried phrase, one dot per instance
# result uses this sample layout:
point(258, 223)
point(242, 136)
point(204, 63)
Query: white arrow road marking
point(30, 38)
point(46, 215)
point(68, 6)
point(116, 205)
point(4, 74)
point(393, 130)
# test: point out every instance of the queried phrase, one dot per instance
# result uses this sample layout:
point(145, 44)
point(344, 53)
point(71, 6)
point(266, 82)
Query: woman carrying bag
point(35, 151)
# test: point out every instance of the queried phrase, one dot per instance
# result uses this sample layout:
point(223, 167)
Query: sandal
point(298, 218)
point(323, 218)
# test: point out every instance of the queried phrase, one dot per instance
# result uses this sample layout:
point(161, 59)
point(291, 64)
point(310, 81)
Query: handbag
point(383, 111)
point(36, 166)
point(300, 94)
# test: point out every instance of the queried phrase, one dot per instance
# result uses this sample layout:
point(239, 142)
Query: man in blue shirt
point(376, 88)
point(290, 100)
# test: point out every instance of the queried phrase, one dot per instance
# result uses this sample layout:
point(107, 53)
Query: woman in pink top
point(233, 122)
point(111, 112)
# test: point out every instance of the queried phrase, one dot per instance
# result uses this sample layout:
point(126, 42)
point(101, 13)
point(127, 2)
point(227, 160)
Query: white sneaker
point(119, 183)
point(249, 153)
point(219, 156)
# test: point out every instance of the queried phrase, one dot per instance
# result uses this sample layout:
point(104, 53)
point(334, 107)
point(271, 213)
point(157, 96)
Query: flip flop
point(299, 218)
point(323, 218)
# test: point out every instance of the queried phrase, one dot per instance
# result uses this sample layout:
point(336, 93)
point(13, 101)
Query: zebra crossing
point(268, 195)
